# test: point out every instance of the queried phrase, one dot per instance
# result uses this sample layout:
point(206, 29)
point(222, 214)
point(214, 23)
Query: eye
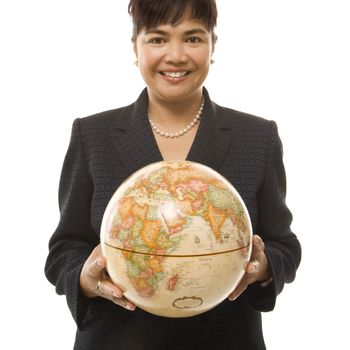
point(194, 40)
point(156, 40)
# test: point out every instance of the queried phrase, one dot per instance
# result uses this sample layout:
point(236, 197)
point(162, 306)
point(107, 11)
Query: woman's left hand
point(257, 269)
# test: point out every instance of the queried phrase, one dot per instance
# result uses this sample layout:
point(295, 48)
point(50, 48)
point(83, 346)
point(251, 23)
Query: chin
point(178, 95)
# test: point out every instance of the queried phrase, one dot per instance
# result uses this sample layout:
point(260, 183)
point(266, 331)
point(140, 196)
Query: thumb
point(97, 266)
point(258, 246)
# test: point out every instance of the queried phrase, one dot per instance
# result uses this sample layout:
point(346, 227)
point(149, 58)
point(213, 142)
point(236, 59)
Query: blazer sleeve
point(74, 238)
point(282, 247)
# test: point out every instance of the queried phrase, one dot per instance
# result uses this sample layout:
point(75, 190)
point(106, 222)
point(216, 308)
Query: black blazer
point(108, 147)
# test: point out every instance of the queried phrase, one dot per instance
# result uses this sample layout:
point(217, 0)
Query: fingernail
point(129, 307)
point(252, 268)
point(117, 294)
point(100, 262)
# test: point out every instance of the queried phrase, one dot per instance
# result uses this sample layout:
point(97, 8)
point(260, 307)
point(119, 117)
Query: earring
point(136, 63)
point(212, 61)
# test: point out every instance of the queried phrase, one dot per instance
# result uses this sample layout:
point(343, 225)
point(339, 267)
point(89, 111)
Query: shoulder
point(244, 122)
point(228, 115)
point(104, 120)
point(94, 134)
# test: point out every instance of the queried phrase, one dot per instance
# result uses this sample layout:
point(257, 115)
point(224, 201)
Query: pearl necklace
point(182, 131)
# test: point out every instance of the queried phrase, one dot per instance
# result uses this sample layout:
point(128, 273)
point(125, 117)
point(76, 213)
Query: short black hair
point(151, 13)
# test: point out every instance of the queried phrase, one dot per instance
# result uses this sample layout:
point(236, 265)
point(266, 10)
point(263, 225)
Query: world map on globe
point(176, 237)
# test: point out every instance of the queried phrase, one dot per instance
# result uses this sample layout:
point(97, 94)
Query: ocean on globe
point(176, 237)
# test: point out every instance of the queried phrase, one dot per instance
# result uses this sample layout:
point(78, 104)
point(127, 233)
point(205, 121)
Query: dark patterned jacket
point(107, 148)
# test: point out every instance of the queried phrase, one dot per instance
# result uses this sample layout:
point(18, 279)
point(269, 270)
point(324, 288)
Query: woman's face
point(174, 60)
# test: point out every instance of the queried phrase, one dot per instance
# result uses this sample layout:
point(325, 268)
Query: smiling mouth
point(175, 74)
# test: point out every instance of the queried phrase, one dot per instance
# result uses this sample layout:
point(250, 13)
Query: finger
point(258, 243)
point(97, 252)
point(123, 302)
point(111, 292)
point(258, 270)
point(97, 267)
point(241, 287)
point(258, 246)
point(110, 289)
point(253, 267)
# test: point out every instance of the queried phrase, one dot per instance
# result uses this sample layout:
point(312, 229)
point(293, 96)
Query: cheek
point(202, 58)
point(204, 66)
point(147, 60)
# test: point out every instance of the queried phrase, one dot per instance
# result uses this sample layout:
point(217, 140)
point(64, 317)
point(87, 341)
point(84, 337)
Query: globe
point(176, 237)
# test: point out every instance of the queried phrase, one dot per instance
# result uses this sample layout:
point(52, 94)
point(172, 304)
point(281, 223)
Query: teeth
point(175, 74)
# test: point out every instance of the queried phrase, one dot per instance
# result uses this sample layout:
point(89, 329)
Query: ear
point(135, 48)
point(212, 50)
point(214, 38)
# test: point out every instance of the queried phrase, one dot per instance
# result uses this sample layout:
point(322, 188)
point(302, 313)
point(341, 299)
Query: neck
point(173, 114)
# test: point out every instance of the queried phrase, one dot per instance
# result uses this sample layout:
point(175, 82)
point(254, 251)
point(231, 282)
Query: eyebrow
point(162, 32)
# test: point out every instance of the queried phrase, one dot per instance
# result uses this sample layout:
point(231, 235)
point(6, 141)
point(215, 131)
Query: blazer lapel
point(137, 147)
point(213, 139)
point(134, 139)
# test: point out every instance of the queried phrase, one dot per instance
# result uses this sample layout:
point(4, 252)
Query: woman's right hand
point(95, 282)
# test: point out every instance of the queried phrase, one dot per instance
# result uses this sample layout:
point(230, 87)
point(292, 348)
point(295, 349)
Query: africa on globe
point(176, 236)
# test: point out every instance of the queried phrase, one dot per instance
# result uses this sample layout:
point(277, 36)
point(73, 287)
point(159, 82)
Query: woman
point(173, 118)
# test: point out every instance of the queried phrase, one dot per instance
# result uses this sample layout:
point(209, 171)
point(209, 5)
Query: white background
point(282, 60)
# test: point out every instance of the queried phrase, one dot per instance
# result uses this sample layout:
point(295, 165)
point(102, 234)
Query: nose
point(176, 53)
